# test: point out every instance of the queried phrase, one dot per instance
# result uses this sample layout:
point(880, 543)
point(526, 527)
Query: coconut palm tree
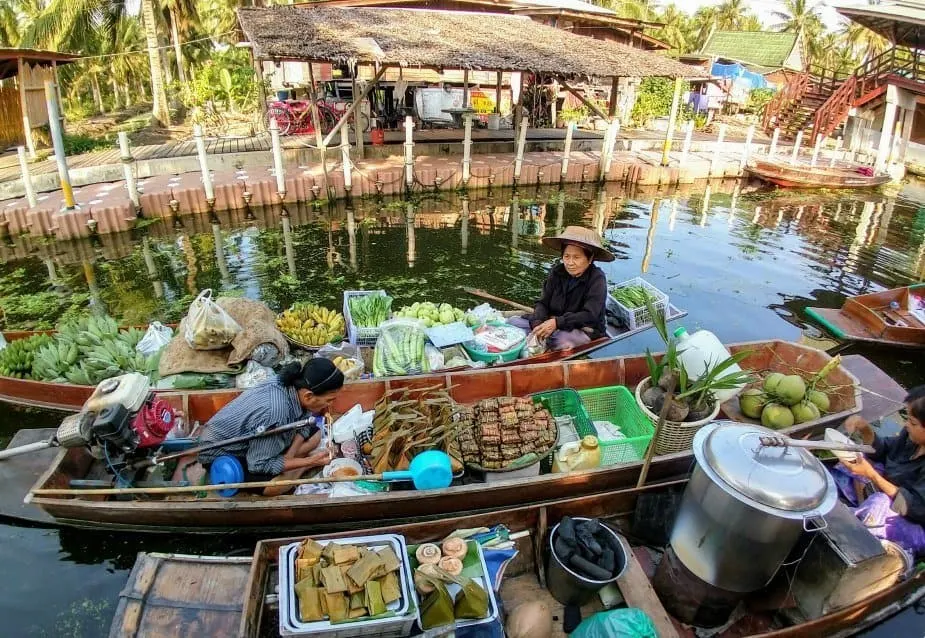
point(159, 109)
point(704, 23)
point(676, 30)
point(865, 43)
point(800, 17)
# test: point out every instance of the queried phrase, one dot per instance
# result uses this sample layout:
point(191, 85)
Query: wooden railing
point(792, 92)
point(875, 73)
point(835, 109)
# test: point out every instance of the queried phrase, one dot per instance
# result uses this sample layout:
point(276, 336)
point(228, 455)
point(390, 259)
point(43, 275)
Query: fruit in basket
point(776, 416)
point(804, 411)
point(819, 399)
point(791, 389)
point(311, 324)
point(772, 380)
point(431, 314)
point(752, 402)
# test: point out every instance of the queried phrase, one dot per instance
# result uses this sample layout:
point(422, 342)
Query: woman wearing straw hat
point(571, 311)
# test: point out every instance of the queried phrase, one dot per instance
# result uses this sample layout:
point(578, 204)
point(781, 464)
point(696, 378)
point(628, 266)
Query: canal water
point(745, 263)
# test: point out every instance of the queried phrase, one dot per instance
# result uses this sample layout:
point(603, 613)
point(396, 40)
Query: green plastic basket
point(566, 402)
point(618, 405)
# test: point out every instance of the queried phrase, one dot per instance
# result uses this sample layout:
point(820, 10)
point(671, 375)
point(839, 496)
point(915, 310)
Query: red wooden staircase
point(819, 104)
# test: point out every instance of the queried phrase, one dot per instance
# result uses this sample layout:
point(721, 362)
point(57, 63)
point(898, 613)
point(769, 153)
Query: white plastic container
point(703, 350)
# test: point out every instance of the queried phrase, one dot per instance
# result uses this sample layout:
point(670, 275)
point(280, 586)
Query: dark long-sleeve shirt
point(575, 302)
point(905, 472)
point(267, 406)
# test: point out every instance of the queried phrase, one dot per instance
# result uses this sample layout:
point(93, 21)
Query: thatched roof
point(443, 40)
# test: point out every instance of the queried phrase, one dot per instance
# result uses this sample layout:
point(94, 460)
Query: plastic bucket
point(570, 588)
point(226, 469)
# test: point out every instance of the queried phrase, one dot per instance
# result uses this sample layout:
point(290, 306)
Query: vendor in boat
point(298, 392)
point(571, 311)
point(895, 474)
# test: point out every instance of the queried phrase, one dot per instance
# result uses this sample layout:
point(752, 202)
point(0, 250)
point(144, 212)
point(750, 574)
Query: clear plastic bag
point(400, 349)
point(346, 356)
point(435, 359)
point(616, 623)
point(208, 325)
point(254, 374)
point(157, 336)
point(535, 345)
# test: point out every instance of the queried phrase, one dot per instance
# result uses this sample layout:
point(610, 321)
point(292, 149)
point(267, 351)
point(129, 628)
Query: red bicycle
point(294, 117)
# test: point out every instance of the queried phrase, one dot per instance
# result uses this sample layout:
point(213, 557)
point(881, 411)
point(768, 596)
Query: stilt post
point(672, 119)
point(345, 159)
point(521, 143)
point(714, 161)
point(26, 176)
point(204, 165)
point(278, 159)
point(688, 136)
point(127, 160)
point(747, 150)
point(57, 139)
point(409, 152)
point(467, 149)
point(816, 147)
point(772, 150)
point(795, 154)
point(567, 151)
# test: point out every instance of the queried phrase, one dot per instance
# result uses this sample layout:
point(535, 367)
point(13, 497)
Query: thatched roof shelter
point(443, 40)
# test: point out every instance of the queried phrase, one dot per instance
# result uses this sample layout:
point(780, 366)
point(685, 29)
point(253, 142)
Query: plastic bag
point(208, 325)
point(254, 374)
point(616, 623)
point(157, 336)
point(435, 358)
point(400, 349)
point(266, 354)
point(483, 313)
point(346, 356)
point(535, 345)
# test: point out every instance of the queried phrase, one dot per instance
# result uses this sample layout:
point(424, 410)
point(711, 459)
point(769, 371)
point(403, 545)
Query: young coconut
point(819, 399)
point(776, 416)
point(791, 389)
point(804, 411)
point(678, 410)
point(771, 381)
point(752, 402)
point(654, 398)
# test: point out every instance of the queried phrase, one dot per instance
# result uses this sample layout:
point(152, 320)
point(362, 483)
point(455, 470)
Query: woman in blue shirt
point(298, 392)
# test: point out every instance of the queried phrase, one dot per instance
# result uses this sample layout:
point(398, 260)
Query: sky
point(765, 9)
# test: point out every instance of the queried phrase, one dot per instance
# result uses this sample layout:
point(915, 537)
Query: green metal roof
point(758, 48)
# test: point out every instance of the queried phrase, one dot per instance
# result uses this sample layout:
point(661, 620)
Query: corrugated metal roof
point(759, 48)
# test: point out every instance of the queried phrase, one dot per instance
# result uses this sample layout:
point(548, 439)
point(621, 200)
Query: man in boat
point(896, 509)
point(571, 311)
point(298, 391)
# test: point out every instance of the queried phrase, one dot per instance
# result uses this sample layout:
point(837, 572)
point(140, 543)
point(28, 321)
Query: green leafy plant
point(757, 100)
point(576, 114)
point(653, 99)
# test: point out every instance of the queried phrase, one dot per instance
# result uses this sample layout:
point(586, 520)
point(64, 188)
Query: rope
point(145, 50)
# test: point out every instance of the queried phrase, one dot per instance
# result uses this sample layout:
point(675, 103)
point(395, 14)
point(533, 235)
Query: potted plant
point(693, 403)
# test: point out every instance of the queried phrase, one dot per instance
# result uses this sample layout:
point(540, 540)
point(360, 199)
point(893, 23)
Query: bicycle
point(294, 117)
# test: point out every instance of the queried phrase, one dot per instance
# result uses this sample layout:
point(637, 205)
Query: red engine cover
point(153, 422)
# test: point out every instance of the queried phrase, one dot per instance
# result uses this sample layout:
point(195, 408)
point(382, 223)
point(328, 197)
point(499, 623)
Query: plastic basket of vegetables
point(365, 311)
point(627, 300)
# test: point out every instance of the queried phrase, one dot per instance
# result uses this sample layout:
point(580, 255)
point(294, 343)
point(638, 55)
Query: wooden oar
point(485, 295)
point(662, 417)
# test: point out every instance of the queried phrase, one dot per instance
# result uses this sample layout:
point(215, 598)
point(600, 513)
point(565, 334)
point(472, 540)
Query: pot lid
point(783, 478)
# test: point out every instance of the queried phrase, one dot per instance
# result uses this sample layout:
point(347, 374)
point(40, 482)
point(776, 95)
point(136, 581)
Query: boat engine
point(121, 417)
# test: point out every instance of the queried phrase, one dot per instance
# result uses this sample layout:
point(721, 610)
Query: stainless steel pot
point(746, 505)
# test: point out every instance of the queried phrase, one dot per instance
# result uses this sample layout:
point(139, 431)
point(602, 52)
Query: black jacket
point(576, 306)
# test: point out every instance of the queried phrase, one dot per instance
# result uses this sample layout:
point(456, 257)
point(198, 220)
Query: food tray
point(618, 405)
point(481, 578)
point(637, 317)
point(390, 627)
point(356, 335)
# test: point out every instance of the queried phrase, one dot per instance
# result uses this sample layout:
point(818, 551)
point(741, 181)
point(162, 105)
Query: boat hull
point(246, 513)
point(870, 319)
point(805, 177)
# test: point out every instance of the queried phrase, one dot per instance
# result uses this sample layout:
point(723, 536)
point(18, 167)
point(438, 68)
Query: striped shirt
point(266, 406)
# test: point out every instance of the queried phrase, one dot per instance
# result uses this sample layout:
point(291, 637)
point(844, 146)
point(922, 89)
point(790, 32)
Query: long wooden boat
point(68, 397)
point(872, 319)
point(188, 514)
point(181, 595)
point(803, 176)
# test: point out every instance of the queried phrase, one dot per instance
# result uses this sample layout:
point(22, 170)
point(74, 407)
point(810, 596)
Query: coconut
point(701, 414)
point(819, 399)
point(791, 389)
point(532, 619)
point(678, 410)
point(776, 416)
point(665, 381)
point(654, 398)
point(771, 381)
point(804, 411)
point(752, 402)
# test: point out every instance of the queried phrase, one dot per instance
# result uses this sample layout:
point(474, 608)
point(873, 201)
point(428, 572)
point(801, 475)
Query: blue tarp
point(739, 74)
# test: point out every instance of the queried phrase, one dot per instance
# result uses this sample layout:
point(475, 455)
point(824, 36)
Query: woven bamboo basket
point(676, 436)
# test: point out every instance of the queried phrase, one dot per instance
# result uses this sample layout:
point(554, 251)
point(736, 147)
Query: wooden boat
point(870, 318)
point(803, 176)
point(188, 514)
point(70, 398)
point(179, 595)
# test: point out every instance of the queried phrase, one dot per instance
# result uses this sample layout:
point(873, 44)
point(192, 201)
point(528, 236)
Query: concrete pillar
point(908, 120)
point(204, 165)
point(747, 150)
point(358, 131)
point(521, 143)
point(714, 161)
point(569, 130)
point(772, 150)
point(610, 140)
point(886, 133)
point(409, 152)
point(816, 147)
point(686, 147)
point(278, 159)
point(26, 176)
point(57, 139)
point(127, 159)
point(795, 154)
point(672, 119)
point(345, 159)
point(467, 150)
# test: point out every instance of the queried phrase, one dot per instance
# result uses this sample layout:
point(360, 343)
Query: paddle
point(429, 470)
point(485, 295)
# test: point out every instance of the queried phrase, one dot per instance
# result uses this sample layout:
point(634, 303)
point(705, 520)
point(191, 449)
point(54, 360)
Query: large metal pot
point(746, 505)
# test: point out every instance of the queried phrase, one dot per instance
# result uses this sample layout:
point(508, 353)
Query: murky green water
point(744, 264)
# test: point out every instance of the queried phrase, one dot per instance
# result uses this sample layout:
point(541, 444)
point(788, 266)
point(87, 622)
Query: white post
point(816, 148)
point(467, 150)
point(569, 130)
point(836, 152)
point(610, 140)
point(409, 152)
point(688, 136)
point(521, 143)
point(57, 139)
point(26, 176)
point(672, 118)
point(714, 162)
point(345, 158)
point(204, 164)
point(796, 148)
point(127, 171)
point(278, 159)
point(747, 151)
point(772, 150)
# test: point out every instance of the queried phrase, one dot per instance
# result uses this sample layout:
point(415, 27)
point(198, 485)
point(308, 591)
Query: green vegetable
point(368, 311)
point(400, 350)
point(632, 296)
point(431, 314)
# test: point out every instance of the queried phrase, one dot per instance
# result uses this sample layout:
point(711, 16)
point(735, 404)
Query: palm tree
point(159, 108)
point(863, 42)
point(730, 15)
point(705, 20)
point(183, 18)
point(676, 29)
point(800, 17)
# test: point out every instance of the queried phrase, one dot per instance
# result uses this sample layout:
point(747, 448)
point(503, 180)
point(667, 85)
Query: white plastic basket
point(396, 626)
point(356, 335)
point(637, 317)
